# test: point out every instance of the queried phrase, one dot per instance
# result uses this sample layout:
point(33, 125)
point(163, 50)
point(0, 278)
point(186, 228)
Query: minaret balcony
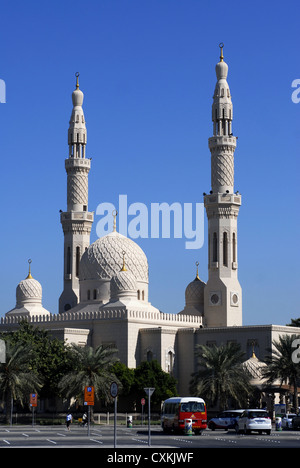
point(223, 199)
point(221, 140)
point(77, 216)
point(71, 163)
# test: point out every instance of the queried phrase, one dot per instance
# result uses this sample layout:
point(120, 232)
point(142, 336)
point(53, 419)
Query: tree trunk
point(295, 396)
point(9, 403)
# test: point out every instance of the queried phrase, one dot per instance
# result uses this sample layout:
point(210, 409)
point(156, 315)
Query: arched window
point(215, 247)
point(88, 295)
point(225, 249)
point(143, 295)
point(234, 247)
point(139, 294)
point(170, 362)
point(95, 294)
point(68, 261)
point(149, 356)
point(77, 260)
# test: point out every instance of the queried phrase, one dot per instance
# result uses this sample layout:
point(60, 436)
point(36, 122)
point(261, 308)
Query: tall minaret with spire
point(222, 294)
point(77, 220)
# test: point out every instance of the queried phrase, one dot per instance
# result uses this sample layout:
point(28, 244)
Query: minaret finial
point(197, 274)
point(221, 45)
point(124, 267)
point(29, 272)
point(77, 79)
point(115, 213)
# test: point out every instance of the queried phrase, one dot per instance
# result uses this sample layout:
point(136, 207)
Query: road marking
point(52, 441)
point(62, 435)
point(225, 440)
point(98, 441)
point(140, 440)
point(6, 441)
point(25, 435)
point(183, 440)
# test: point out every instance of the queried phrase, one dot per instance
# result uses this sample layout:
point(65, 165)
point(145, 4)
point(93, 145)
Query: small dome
point(77, 97)
point(123, 283)
point(194, 297)
point(222, 70)
point(194, 293)
point(255, 367)
point(29, 298)
point(104, 258)
point(29, 290)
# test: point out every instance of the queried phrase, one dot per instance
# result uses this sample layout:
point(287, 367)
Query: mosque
point(105, 297)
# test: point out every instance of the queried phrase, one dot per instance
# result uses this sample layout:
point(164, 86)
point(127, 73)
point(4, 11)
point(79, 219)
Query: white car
point(225, 420)
point(287, 420)
point(254, 420)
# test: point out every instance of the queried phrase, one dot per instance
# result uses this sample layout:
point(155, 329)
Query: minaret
point(77, 220)
point(223, 294)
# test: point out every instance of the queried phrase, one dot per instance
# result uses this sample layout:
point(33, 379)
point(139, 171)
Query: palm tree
point(221, 375)
point(17, 380)
point(91, 368)
point(294, 323)
point(281, 365)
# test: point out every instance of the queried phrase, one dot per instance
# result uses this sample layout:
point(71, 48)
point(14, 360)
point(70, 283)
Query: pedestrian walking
point(69, 420)
point(84, 419)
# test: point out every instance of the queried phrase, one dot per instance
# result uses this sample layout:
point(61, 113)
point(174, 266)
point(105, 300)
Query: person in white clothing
point(69, 420)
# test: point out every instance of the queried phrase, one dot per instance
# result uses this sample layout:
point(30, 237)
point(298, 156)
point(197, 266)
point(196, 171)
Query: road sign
point(149, 391)
point(33, 399)
point(89, 399)
point(114, 393)
point(143, 401)
point(114, 389)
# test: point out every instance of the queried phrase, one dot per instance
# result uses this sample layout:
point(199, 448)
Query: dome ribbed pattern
point(194, 293)
point(29, 289)
point(104, 258)
point(124, 281)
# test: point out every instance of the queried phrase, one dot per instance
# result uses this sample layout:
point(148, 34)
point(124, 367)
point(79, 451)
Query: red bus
point(176, 410)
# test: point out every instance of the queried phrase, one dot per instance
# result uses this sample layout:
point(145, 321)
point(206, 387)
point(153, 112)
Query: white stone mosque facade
point(105, 298)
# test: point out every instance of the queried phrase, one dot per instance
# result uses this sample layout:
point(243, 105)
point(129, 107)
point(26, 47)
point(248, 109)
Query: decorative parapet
point(107, 314)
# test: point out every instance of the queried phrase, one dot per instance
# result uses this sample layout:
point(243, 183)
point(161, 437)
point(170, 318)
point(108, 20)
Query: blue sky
point(147, 71)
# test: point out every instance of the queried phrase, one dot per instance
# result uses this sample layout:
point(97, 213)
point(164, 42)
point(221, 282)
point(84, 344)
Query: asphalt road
point(137, 438)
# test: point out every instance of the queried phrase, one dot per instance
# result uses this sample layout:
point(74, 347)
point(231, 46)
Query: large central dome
point(104, 258)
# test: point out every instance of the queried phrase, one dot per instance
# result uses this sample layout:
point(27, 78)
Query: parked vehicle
point(287, 420)
point(225, 420)
point(296, 422)
point(176, 410)
point(254, 420)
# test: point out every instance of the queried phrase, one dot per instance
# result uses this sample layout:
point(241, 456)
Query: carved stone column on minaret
point(223, 294)
point(77, 220)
